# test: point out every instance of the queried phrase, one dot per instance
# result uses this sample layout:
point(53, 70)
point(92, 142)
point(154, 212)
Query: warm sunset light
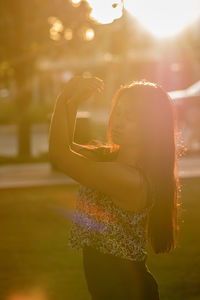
point(75, 3)
point(161, 18)
point(164, 18)
point(105, 11)
point(56, 28)
point(34, 294)
point(99, 149)
point(68, 34)
point(89, 34)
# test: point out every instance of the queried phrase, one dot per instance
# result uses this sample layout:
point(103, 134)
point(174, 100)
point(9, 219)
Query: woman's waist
point(107, 224)
point(91, 250)
point(108, 214)
point(107, 235)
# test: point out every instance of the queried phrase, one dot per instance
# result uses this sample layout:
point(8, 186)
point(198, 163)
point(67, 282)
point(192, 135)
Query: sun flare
point(164, 18)
point(161, 18)
point(105, 11)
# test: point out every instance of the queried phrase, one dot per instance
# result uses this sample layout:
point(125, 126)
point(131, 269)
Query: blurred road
point(41, 174)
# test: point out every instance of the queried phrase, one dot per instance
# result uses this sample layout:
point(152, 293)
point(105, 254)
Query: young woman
point(129, 186)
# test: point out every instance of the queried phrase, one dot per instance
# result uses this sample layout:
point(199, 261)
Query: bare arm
point(73, 100)
point(119, 181)
point(63, 119)
point(71, 111)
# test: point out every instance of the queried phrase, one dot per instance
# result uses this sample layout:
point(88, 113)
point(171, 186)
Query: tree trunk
point(23, 101)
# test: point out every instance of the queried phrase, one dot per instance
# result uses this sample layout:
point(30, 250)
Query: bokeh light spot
point(89, 34)
point(68, 34)
point(76, 3)
point(105, 11)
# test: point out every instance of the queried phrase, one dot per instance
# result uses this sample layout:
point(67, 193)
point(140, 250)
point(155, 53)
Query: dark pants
point(111, 277)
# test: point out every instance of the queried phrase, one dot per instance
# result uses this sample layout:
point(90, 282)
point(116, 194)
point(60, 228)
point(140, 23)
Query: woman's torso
point(98, 222)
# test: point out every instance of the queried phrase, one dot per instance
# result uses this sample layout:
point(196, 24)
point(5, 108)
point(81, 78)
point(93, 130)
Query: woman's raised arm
point(121, 182)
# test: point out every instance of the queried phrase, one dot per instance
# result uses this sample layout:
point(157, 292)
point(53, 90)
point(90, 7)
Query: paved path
point(41, 174)
point(27, 175)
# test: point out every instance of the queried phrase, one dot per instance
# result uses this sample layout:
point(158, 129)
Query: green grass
point(34, 251)
point(178, 273)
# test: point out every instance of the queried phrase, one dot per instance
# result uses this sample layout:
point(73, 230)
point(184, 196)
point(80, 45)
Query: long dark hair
point(158, 131)
point(157, 119)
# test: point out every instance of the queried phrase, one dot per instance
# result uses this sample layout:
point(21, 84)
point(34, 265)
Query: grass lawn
point(34, 251)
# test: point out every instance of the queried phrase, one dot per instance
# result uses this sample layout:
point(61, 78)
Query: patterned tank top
point(98, 222)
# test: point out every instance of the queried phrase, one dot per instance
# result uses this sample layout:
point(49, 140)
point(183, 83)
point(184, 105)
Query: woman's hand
point(79, 89)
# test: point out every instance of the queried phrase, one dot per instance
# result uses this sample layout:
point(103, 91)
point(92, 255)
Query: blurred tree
point(30, 29)
point(22, 30)
point(56, 29)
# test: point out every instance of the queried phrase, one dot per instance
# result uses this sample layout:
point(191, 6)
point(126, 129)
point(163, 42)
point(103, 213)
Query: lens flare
point(161, 18)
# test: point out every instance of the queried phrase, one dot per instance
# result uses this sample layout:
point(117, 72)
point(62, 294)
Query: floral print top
point(98, 222)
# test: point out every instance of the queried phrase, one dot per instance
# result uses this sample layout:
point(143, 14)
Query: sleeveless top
point(98, 222)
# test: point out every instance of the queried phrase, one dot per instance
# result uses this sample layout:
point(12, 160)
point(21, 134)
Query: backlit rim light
point(161, 18)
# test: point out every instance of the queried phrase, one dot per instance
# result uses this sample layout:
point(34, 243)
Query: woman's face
point(124, 123)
